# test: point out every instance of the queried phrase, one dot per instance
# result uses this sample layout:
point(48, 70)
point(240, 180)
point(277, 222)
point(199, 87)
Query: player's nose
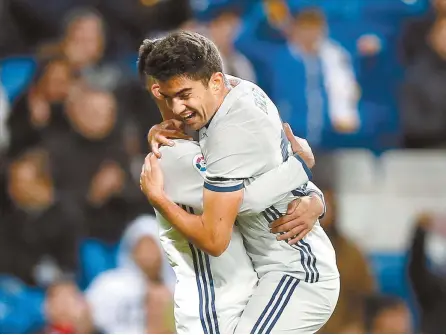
point(178, 107)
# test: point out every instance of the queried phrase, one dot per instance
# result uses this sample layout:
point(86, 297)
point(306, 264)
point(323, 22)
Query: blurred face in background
point(395, 320)
point(222, 31)
point(30, 183)
point(148, 257)
point(66, 306)
point(84, 41)
point(56, 81)
point(440, 7)
point(438, 38)
point(308, 31)
point(92, 114)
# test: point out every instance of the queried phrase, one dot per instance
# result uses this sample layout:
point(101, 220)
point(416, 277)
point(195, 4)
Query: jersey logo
point(200, 163)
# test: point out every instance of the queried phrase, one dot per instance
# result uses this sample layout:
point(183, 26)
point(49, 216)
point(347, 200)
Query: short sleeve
point(184, 168)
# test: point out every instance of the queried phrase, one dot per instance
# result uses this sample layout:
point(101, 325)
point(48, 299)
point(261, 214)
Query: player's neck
point(225, 91)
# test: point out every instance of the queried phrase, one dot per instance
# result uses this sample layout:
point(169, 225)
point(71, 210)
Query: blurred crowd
point(78, 240)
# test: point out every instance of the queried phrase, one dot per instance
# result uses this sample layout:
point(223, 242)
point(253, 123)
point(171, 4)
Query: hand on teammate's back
point(299, 146)
point(301, 216)
point(151, 180)
point(161, 134)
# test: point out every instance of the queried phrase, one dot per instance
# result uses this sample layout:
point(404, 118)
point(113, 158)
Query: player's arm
point(228, 164)
point(211, 231)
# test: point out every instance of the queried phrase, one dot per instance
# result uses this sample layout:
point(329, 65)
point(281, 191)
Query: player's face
point(191, 100)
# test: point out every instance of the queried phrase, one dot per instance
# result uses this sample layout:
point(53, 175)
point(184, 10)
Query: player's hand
point(301, 216)
point(299, 146)
point(151, 180)
point(161, 134)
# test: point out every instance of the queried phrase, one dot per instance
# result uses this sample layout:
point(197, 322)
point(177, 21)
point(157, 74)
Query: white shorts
point(284, 304)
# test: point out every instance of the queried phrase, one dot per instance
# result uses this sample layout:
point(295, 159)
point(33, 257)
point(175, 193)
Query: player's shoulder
point(245, 103)
point(178, 151)
point(251, 99)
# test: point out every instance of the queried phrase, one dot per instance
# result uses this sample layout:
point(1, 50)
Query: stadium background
point(73, 120)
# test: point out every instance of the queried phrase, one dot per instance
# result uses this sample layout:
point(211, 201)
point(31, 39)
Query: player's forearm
point(191, 226)
point(286, 177)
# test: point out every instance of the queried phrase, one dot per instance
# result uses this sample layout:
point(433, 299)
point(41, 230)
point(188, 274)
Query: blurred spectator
point(42, 227)
point(95, 171)
point(134, 298)
point(83, 45)
point(387, 315)
point(11, 41)
point(423, 102)
point(310, 77)
point(415, 38)
point(66, 310)
point(40, 106)
point(222, 30)
point(357, 281)
point(429, 285)
point(95, 135)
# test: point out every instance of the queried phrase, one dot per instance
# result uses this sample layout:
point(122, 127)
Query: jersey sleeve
point(183, 167)
point(273, 186)
point(233, 154)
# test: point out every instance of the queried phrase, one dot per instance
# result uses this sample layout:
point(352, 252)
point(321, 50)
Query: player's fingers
point(163, 138)
point(302, 207)
point(292, 206)
point(153, 161)
point(281, 221)
point(290, 234)
point(287, 226)
point(290, 136)
point(147, 164)
point(154, 146)
point(174, 133)
point(177, 124)
point(299, 237)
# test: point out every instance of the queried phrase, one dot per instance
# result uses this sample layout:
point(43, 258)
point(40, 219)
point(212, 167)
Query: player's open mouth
point(188, 116)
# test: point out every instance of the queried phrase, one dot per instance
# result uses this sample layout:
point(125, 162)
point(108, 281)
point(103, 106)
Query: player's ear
point(217, 82)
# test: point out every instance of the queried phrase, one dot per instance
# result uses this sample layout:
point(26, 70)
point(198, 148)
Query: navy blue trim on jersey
point(211, 285)
point(304, 165)
point(200, 291)
point(284, 304)
point(205, 286)
point(307, 257)
point(300, 191)
point(215, 188)
point(284, 146)
point(284, 291)
point(314, 259)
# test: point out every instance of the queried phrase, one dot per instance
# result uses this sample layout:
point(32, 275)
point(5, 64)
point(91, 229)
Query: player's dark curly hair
point(182, 53)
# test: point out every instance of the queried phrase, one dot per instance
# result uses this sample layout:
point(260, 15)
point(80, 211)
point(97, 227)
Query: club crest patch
point(200, 163)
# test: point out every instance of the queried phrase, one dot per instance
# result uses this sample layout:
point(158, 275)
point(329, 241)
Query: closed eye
point(185, 96)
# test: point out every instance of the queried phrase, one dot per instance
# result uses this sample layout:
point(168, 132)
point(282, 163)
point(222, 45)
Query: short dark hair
point(182, 53)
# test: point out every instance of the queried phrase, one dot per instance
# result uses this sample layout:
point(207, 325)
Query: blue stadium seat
point(20, 307)
point(16, 73)
point(96, 257)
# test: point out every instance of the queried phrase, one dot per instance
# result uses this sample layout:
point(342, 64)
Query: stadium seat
point(15, 74)
point(356, 170)
point(21, 307)
point(96, 257)
point(415, 172)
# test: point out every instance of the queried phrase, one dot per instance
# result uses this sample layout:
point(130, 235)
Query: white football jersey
point(244, 140)
point(211, 292)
